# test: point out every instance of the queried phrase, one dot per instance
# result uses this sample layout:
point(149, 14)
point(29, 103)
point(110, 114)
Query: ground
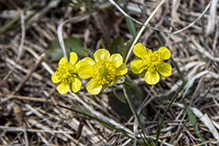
point(181, 109)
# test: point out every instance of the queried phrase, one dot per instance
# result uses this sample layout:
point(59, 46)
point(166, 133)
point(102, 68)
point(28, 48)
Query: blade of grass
point(179, 132)
point(215, 65)
point(164, 115)
point(78, 107)
point(203, 32)
point(145, 133)
point(88, 52)
point(193, 121)
point(178, 70)
point(5, 28)
point(129, 22)
point(206, 93)
point(111, 127)
point(102, 44)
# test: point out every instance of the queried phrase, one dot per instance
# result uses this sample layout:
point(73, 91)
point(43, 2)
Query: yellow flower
point(66, 74)
point(105, 70)
point(150, 64)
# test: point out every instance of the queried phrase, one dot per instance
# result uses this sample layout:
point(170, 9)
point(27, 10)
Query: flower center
point(63, 71)
point(154, 58)
point(66, 73)
point(103, 71)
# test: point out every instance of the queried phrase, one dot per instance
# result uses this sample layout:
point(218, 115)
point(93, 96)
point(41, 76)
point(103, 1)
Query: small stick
point(29, 73)
point(9, 97)
point(20, 50)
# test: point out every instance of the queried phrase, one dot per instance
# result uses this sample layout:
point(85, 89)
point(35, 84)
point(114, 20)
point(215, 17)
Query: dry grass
point(29, 103)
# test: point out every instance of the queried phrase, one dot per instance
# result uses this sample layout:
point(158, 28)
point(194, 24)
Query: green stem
point(164, 115)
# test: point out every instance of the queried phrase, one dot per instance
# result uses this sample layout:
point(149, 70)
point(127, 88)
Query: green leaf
point(72, 44)
point(118, 46)
point(118, 99)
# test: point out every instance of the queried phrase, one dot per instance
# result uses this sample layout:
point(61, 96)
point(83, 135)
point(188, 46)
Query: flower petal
point(55, 78)
point(73, 58)
point(93, 87)
point(121, 70)
point(101, 54)
point(62, 61)
point(165, 69)
point(63, 88)
point(85, 71)
point(116, 60)
point(139, 50)
point(152, 77)
point(164, 53)
point(77, 65)
point(88, 60)
point(137, 66)
point(76, 85)
point(85, 67)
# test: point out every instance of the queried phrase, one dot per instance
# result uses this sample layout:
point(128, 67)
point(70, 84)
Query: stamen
point(154, 58)
point(103, 71)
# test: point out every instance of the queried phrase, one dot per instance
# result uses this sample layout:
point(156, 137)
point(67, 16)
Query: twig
point(35, 75)
point(33, 130)
point(29, 73)
point(9, 97)
point(25, 135)
point(44, 64)
point(20, 50)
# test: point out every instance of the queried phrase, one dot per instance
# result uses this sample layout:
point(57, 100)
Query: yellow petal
point(165, 69)
point(164, 53)
point(101, 54)
point(76, 85)
point(121, 70)
point(93, 87)
point(62, 61)
point(137, 66)
point(85, 71)
point(88, 60)
point(77, 65)
point(63, 88)
point(73, 58)
point(116, 60)
point(85, 68)
point(55, 78)
point(139, 50)
point(152, 77)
